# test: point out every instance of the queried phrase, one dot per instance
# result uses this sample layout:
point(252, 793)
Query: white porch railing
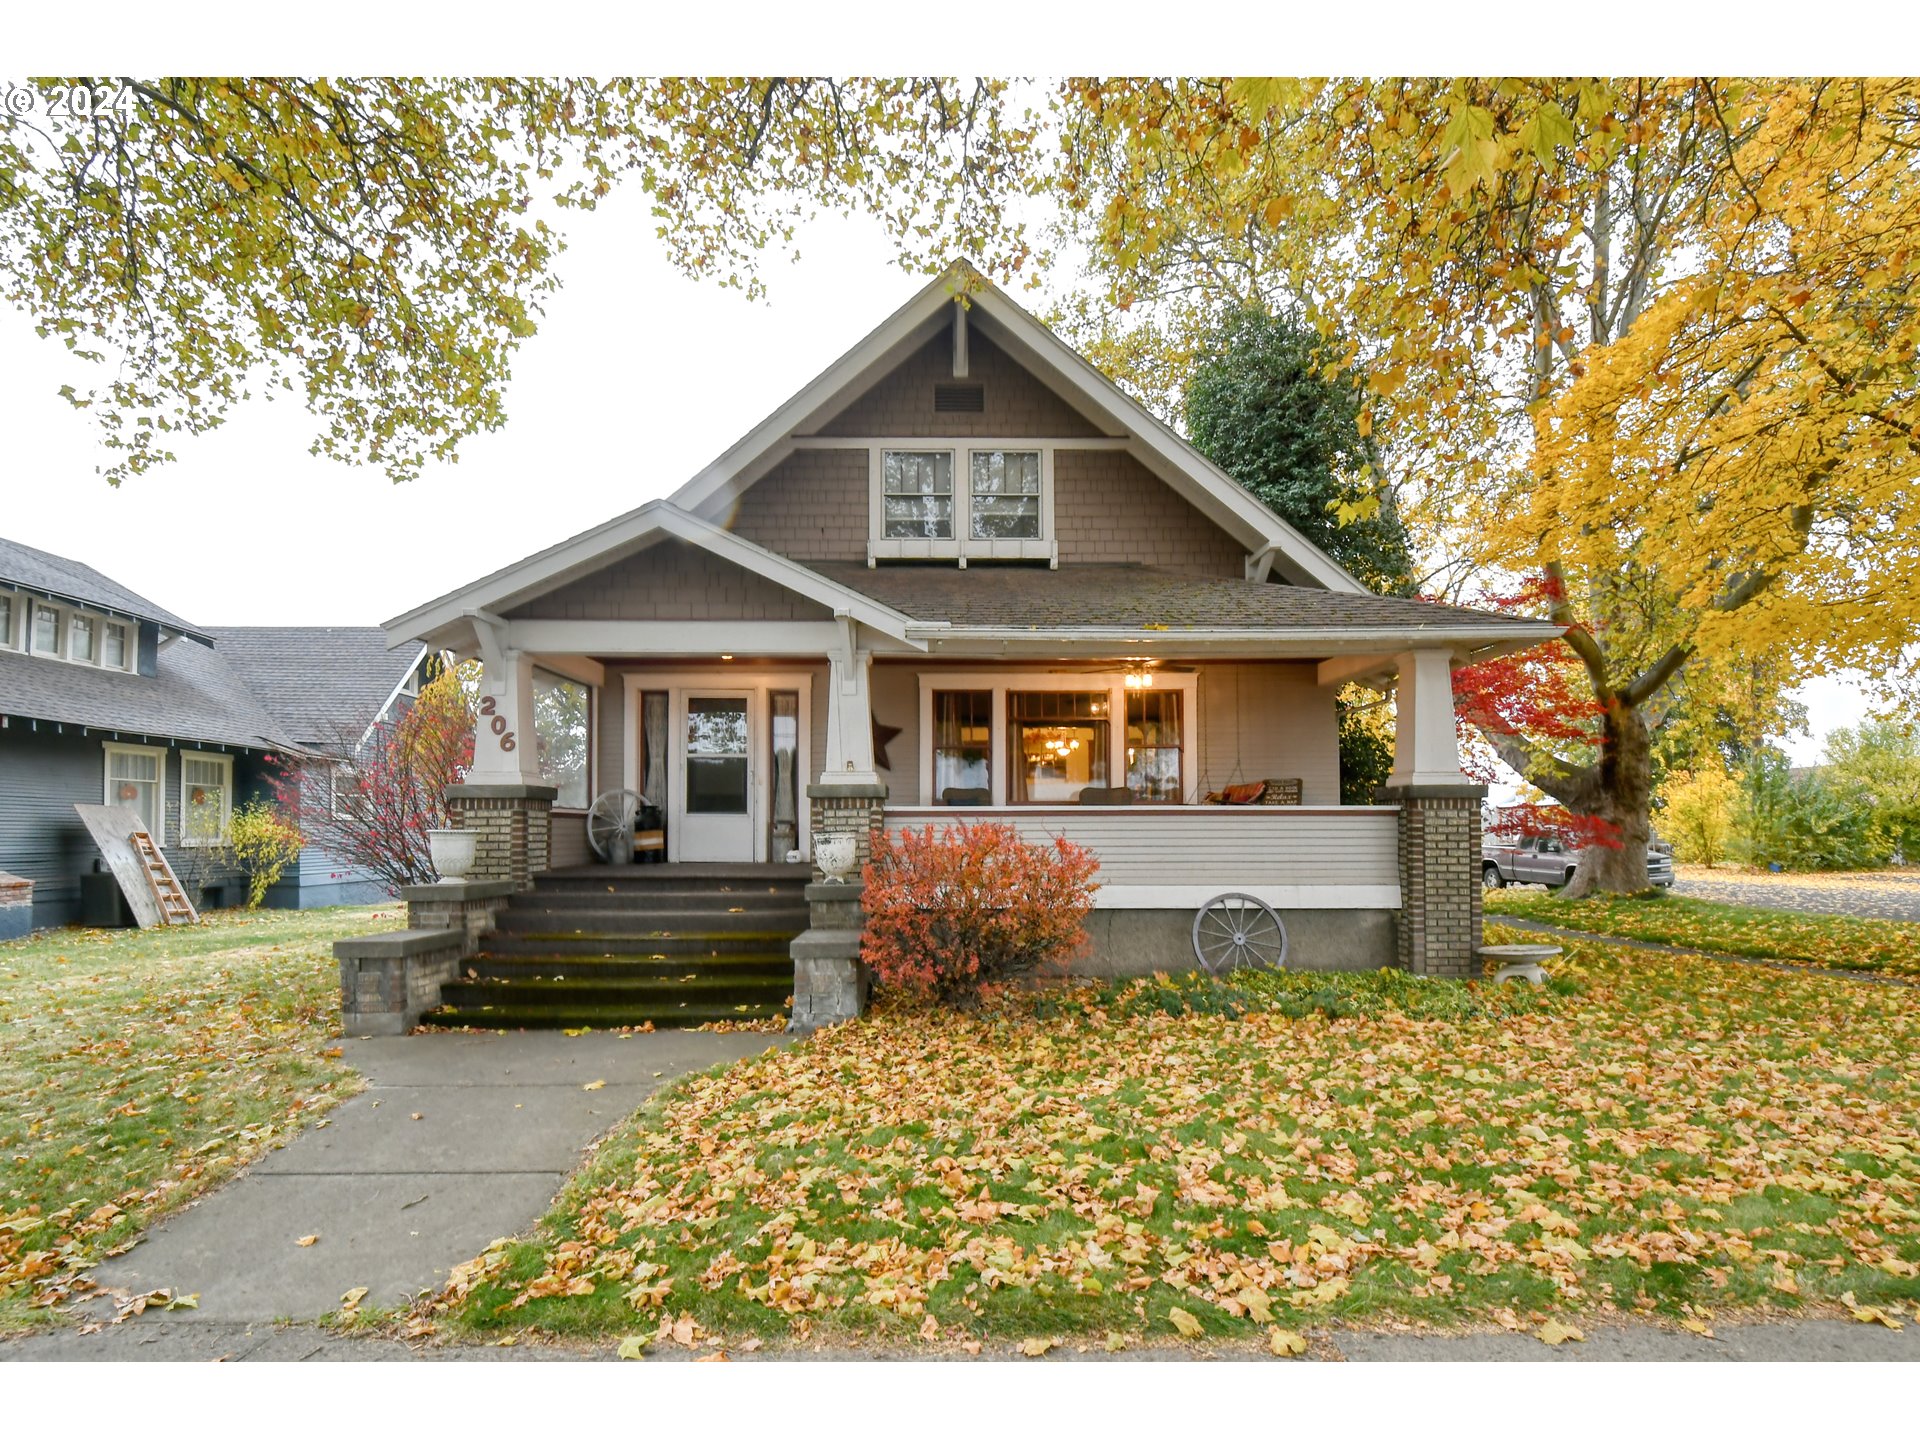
point(1177, 857)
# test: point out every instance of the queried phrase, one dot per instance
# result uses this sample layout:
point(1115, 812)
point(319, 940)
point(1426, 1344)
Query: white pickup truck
point(1545, 860)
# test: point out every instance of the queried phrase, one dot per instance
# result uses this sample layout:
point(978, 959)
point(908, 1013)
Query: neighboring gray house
point(105, 696)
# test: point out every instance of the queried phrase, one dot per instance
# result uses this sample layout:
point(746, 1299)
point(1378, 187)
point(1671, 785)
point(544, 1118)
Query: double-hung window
point(136, 778)
point(80, 633)
point(1003, 498)
point(113, 646)
point(46, 629)
point(916, 488)
point(206, 797)
point(961, 499)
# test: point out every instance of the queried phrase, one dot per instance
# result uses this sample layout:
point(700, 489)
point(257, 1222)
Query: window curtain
point(653, 730)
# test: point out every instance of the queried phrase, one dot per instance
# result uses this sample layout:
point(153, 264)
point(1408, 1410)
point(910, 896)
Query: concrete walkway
point(457, 1140)
point(174, 1339)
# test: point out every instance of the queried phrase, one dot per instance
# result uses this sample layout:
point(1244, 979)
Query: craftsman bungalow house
point(105, 697)
point(960, 575)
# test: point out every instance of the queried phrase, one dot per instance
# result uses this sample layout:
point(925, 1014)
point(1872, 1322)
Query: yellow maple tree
point(1651, 340)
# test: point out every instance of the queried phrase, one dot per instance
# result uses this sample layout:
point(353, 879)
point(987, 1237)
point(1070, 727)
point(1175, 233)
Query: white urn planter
point(452, 852)
point(837, 857)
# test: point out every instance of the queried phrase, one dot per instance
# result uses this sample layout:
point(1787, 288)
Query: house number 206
point(498, 724)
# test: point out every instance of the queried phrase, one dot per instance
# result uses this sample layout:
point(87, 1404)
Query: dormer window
point(1004, 501)
point(46, 629)
point(113, 646)
point(64, 632)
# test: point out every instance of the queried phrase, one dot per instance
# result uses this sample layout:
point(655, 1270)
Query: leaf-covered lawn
point(140, 1068)
point(1885, 947)
point(1164, 1159)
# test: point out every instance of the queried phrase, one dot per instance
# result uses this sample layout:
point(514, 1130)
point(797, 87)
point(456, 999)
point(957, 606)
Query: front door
point(715, 764)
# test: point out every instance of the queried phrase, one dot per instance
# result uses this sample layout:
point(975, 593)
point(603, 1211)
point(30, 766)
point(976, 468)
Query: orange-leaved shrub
point(952, 913)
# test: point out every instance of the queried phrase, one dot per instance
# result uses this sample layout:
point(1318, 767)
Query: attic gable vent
point(959, 399)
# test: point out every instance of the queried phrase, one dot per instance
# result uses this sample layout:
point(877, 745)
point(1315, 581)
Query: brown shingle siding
point(671, 581)
point(1016, 404)
point(1109, 508)
point(811, 506)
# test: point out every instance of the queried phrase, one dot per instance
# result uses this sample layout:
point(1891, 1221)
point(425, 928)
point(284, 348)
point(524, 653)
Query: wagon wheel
point(613, 813)
point(1232, 932)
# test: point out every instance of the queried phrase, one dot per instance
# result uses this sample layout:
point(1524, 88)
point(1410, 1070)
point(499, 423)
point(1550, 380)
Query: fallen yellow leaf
point(634, 1346)
point(1556, 1333)
point(1286, 1342)
point(1184, 1323)
point(594, 1085)
point(1035, 1346)
point(305, 1240)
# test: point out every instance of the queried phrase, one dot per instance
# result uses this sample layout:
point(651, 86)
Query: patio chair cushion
point(1105, 795)
point(1246, 794)
point(965, 795)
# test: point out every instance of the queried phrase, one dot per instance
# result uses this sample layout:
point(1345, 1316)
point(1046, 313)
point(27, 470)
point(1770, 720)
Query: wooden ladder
point(175, 908)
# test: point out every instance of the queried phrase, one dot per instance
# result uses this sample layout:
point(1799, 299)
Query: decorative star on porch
point(882, 737)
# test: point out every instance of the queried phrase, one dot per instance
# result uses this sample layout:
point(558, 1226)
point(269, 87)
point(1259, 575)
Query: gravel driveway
point(1878, 894)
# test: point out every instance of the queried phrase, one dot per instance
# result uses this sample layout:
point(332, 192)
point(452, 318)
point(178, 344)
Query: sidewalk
point(457, 1140)
point(1829, 1340)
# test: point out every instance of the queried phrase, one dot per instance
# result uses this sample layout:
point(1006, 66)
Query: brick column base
point(1439, 921)
point(512, 821)
point(856, 810)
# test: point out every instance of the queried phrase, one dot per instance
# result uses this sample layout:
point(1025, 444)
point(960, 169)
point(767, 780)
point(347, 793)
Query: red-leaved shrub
point(954, 912)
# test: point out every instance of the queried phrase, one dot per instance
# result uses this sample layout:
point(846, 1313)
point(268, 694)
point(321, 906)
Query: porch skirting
point(1141, 942)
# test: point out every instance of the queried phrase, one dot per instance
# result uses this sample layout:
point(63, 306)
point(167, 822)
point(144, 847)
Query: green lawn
point(1153, 1160)
point(1886, 947)
point(140, 1068)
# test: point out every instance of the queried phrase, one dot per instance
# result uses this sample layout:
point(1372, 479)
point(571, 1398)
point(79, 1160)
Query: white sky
point(636, 379)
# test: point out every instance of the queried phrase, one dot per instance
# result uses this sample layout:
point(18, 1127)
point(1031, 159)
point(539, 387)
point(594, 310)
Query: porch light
point(726, 657)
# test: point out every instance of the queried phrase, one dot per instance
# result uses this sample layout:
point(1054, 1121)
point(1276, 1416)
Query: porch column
point(850, 720)
point(850, 797)
point(1439, 845)
point(503, 797)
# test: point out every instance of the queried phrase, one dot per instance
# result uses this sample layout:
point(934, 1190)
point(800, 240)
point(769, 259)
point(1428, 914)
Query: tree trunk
point(1622, 796)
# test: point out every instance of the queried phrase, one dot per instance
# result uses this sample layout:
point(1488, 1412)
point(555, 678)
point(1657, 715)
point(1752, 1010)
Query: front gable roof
point(439, 621)
point(713, 492)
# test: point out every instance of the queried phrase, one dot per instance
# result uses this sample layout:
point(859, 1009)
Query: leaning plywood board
point(110, 825)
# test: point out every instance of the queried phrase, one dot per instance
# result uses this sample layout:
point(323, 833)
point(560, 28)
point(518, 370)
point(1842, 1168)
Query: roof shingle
point(55, 574)
point(1128, 597)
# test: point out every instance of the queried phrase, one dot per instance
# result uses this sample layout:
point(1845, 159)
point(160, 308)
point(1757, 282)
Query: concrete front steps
point(670, 945)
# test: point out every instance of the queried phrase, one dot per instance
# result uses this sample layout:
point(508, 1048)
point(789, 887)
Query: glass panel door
point(716, 755)
point(714, 770)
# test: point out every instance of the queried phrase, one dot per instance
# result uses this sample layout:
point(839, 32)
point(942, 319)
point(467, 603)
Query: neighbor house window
point(343, 789)
point(135, 777)
point(80, 632)
point(1057, 740)
point(46, 629)
point(963, 745)
point(917, 494)
point(113, 646)
point(1005, 494)
point(6, 621)
point(206, 797)
point(1153, 746)
point(563, 727)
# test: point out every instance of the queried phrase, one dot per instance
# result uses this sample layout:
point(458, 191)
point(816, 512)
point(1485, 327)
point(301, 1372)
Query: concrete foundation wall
point(1141, 942)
